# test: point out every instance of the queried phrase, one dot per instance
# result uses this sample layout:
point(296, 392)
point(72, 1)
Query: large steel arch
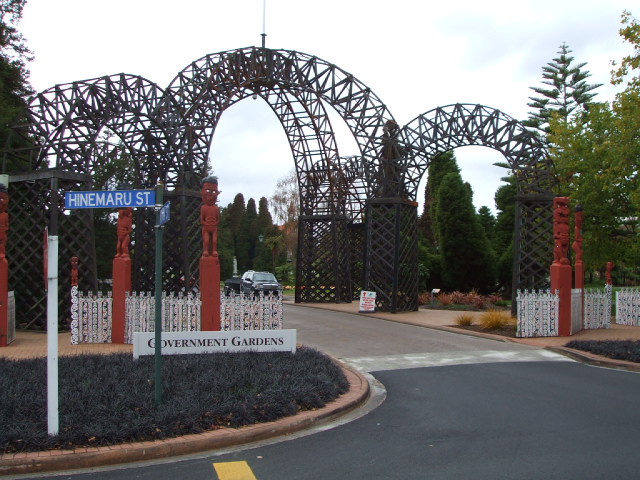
point(453, 126)
point(211, 84)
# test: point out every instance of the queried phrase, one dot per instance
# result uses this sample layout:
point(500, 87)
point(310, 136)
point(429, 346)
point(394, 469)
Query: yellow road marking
point(234, 471)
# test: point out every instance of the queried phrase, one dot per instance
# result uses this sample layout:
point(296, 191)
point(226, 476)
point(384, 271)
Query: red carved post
point(4, 267)
point(609, 278)
point(209, 261)
point(561, 272)
point(577, 248)
point(121, 274)
point(74, 271)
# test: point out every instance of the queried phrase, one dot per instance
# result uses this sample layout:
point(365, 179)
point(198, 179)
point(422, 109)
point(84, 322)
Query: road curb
point(57, 460)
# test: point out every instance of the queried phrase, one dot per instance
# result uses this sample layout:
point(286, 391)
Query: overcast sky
point(414, 55)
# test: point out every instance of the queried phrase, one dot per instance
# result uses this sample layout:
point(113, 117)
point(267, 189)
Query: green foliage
point(630, 32)
point(568, 91)
point(503, 237)
point(14, 85)
point(598, 158)
point(467, 257)
point(440, 165)
point(487, 222)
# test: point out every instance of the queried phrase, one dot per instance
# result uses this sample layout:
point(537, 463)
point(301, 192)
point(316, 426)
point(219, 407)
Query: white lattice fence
point(248, 312)
point(94, 318)
point(180, 313)
point(597, 308)
point(91, 314)
point(538, 313)
point(628, 307)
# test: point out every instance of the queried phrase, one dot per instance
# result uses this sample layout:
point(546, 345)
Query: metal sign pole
point(158, 299)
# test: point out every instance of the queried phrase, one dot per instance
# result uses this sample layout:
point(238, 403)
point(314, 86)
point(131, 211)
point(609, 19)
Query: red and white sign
point(367, 302)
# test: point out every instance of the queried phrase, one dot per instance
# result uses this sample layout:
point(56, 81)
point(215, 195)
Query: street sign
point(110, 199)
point(165, 213)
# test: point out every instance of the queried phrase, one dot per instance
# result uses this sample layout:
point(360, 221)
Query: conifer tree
point(568, 91)
point(467, 258)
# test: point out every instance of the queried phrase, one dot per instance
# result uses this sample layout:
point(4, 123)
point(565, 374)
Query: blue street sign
point(164, 213)
point(110, 199)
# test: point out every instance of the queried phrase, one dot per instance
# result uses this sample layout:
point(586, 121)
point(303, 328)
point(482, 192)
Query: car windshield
point(264, 277)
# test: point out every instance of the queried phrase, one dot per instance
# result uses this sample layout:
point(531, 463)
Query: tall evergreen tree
point(467, 258)
point(568, 91)
point(440, 165)
point(14, 85)
point(504, 232)
point(487, 221)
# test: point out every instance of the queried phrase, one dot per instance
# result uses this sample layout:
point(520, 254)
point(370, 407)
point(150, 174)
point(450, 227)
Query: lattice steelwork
point(392, 254)
point(323, 239)
point(168, 133)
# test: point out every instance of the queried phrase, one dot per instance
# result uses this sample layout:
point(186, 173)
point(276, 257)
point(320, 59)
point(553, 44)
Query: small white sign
point(367, 302)
point(177, 343)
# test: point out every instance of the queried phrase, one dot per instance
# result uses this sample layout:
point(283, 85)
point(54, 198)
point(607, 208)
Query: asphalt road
point(456, 406)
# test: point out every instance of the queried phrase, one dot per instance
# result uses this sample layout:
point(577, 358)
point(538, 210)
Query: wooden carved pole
point(561, 271)
point(577, 248)
point(121, 275)
point(209, 261)
point(4, 267)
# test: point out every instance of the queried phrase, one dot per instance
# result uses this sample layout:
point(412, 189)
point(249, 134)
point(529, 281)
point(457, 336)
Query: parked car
point(254, 283)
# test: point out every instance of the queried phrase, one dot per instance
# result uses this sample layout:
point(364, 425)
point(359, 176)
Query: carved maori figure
point(209, 216)
point(561, 230)
point(124, 229)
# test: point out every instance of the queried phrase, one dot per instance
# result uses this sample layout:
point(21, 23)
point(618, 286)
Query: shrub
point(458, 298)
point(445, 299)
point(496, 320)
point(464, 320)
point(424, 298)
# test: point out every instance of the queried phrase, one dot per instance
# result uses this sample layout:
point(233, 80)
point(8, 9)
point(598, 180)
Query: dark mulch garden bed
point(109, 399)
point(628, 350)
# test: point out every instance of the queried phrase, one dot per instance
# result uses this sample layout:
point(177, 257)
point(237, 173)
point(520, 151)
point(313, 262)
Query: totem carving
point(209, 216)
point(124, 229)
point(561, 230)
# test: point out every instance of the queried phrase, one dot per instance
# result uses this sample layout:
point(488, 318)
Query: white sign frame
point(180, 343)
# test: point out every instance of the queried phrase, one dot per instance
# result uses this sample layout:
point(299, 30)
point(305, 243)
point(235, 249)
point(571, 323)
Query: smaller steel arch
point(458, 125)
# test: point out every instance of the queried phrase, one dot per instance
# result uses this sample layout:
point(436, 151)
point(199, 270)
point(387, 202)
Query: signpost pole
point(158, 298)
point(53, 418)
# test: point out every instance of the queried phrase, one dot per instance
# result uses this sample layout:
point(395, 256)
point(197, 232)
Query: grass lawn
point(109, 399)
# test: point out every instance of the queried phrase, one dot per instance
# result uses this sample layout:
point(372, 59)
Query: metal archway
point(453, 126)
point(366, 201)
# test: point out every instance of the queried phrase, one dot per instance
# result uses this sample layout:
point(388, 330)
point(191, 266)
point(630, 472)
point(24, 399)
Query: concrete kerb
point(57, 460)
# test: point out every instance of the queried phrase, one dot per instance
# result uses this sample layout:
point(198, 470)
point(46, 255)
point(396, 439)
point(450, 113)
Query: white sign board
point(367, 302)
point(177, 343)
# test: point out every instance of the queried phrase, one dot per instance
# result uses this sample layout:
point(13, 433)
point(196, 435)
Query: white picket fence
point(538, 313)
point(597, 308)
point(628, 307)
point(91, 314)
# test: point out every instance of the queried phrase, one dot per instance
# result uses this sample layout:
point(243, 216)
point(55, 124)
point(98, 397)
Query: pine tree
point(467, 257)
point(569, 90)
